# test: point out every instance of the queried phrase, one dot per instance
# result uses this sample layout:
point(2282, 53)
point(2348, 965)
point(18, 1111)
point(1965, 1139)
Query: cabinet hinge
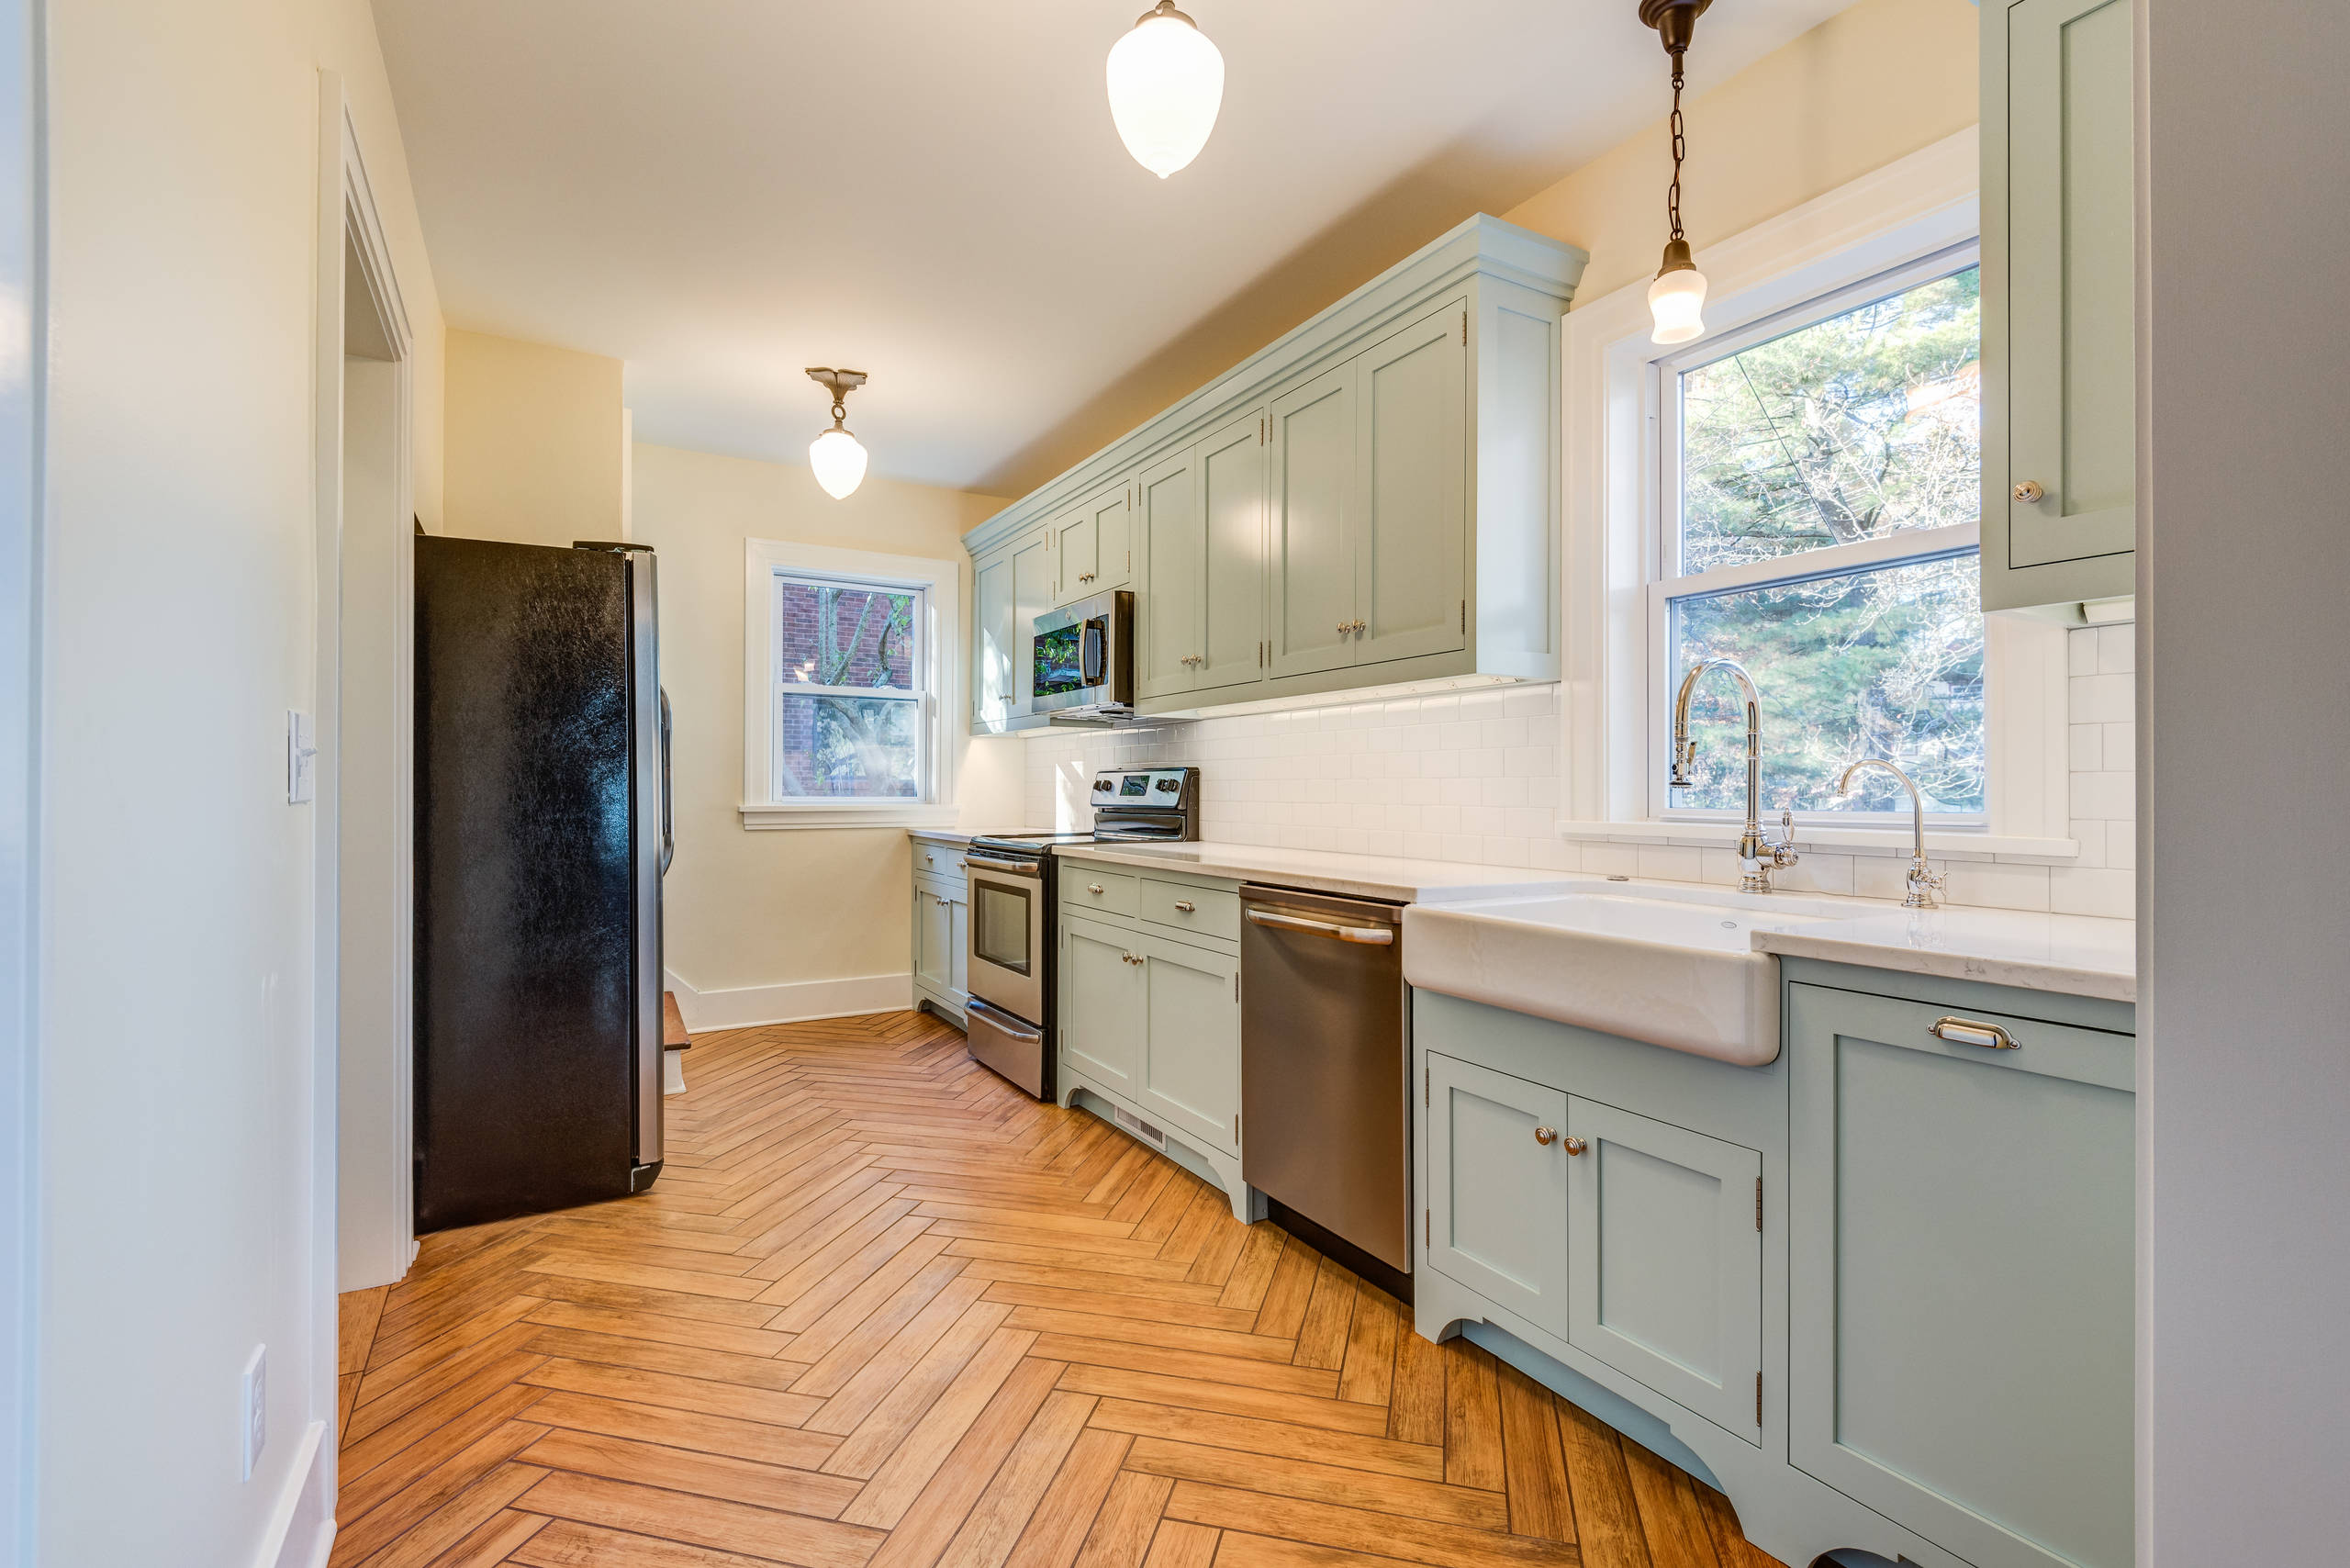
point(1262, 431)
point(1464, 328)
point(1758, 1203)
point(1757, 1399)
point(1424, 1085)
point(1235, 996)
point(1235, 1137)
point(1464, 617)
point(1427, 1228)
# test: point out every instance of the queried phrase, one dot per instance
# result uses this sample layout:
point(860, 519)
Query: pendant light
point(1165, 86)
point(1678, 297)
point(837, 456)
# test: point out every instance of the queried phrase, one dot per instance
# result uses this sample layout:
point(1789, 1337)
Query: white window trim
point(939, 639)
point(1911, 209)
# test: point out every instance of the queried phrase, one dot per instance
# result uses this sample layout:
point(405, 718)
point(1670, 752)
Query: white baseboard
point(301, 1528)
point(746, 1006)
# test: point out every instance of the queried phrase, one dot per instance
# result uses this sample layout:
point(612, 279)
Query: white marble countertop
point(2076, 955)
point(1391, 877)
point(954, 836)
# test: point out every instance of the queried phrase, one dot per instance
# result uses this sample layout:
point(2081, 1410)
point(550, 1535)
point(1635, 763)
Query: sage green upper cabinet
point(1411, 491)
point(1962, 1270)
point(1012, 586)
point(1200, 531)
point(1311, 486)
point(1093, 545)
point(1231, 465)
point(1369, 502)
point(1174, 542)
point(2060, 386)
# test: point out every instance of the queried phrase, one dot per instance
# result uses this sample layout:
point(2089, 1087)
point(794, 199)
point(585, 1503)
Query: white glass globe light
point(838, 459)
point(1166, 87)
point(1677, 301)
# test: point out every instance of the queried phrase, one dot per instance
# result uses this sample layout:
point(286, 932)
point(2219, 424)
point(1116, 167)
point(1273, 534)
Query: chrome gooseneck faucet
point(1757, 856)
point(1923, 883)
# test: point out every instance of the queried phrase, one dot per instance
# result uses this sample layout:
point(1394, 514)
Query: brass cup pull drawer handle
point(1966, 1031)
point(1185, 905)
point(1573, 1144)
point(1543, 1136)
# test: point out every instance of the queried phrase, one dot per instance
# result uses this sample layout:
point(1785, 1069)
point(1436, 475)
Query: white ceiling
point(722, 192)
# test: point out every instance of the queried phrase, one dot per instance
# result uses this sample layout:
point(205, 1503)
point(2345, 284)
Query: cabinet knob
point(1093, 887)
point(1543, 1136)
point(2030, 493)
point(1184, 905)
point(1573, 1144)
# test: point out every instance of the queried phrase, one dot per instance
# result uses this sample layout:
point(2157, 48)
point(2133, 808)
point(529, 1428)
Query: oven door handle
point(1366, 936)
point(1017, 868)
point(1004, 1022)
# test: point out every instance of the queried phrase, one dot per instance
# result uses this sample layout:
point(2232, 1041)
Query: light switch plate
point(253, 1421)
point(301, 757)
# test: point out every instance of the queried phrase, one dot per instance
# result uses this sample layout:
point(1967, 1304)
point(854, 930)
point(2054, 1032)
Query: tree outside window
point(848, 695)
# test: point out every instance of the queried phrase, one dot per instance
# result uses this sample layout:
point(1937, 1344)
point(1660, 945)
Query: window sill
point(1948, 842)
point(771, 815)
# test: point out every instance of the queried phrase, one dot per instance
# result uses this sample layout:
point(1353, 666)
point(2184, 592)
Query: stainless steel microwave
point(1083, 658)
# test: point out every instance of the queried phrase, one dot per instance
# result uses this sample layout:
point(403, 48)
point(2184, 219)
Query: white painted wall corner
point(744, 1007)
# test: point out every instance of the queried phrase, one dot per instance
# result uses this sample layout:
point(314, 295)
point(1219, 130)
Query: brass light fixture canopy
point(1677, 258)
point(1675, 20)
point(835, 455)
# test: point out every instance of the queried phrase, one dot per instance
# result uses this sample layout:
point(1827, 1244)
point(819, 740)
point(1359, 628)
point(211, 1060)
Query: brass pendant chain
point(1680, 151)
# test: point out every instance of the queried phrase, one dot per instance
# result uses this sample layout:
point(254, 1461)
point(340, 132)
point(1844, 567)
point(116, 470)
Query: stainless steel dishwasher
point(1326, 1073)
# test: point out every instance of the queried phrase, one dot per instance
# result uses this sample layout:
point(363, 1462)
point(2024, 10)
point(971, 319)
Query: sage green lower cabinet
point(1149, 1014)
point(1664, 1261)
point(1961, 1240)
point(1879, 1290)
point(1496, 1190)
point(1189, 1075)
point(1100, 992)
point(941, 926)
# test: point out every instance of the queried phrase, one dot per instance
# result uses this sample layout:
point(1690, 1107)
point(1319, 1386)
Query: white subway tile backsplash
point(1476, 777)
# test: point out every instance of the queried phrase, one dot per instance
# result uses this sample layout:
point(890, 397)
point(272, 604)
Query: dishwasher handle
point(1363, 935)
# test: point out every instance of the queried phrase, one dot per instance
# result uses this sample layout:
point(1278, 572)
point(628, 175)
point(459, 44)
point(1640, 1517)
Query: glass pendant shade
point(838, 459)
point(1677, 299)
point(1166, 87)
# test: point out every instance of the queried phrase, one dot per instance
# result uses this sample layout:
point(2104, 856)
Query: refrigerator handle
point(668, 814)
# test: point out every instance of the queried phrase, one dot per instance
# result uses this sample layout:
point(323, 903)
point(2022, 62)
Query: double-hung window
point(1817, 508)
point(848, 675)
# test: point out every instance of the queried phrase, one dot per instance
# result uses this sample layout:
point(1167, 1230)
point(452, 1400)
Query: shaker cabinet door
point(1231, 467)
point(1173, 542)
point(995, 659)
point(1962, 1266)
point(1189, 1075)
point(1032, 595)
point(1664, 1261)
point(1497, 1188)
point(1411, 491)
point(1100, 1020)
point(1310, 486)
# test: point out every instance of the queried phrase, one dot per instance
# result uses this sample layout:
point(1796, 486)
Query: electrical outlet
point(254, 1434)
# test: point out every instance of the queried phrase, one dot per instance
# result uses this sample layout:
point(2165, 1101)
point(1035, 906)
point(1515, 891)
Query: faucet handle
point(1783, 853)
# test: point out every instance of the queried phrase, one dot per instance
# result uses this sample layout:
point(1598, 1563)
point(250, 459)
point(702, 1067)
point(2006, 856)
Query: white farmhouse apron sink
point(1670, 966)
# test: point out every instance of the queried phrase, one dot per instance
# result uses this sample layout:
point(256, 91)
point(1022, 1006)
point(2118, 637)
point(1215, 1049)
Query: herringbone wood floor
point(883, 1311)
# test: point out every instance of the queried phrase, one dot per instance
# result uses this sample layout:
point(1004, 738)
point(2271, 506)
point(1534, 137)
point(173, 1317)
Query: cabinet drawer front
point(942, 863)
point(1664, 1275)
point(1090, 888)
point(1962, 1275)
point(1209, 912)
point(1497, 1188)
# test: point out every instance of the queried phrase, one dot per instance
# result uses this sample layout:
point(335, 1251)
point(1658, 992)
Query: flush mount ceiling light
point(1678, 297)
point(1165, 86)
point(837, 456)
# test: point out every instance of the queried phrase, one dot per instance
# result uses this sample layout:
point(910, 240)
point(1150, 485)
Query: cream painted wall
point(177, 1136)
point(1868, 85)
point(535, 444)
point(761, 911)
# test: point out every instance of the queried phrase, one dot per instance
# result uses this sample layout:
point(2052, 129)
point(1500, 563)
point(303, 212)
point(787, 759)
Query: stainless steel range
point(1013, 892)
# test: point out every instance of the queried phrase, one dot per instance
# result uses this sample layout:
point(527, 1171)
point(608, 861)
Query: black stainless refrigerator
point(542, 835)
